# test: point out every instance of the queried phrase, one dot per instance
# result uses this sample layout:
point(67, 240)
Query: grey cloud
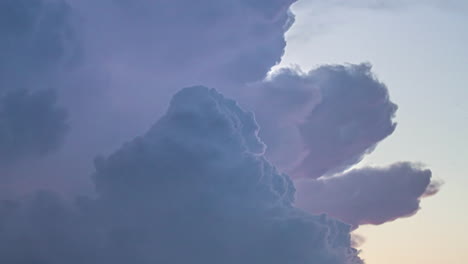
point(37, 39)
point(43, 228)
point(31, 124)
point(369, 195)
point(136, 54)
point(228, 41)
point(320, 123)
point(37, 43)
point(326, 120)
point(354, 114)
point(195, 188)
point(188, 184)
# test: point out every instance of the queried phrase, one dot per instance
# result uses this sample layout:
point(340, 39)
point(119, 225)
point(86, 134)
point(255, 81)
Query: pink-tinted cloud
point(368, 195)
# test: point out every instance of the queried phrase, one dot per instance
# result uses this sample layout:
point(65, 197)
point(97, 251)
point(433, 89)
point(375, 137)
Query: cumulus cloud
point(198, 182)
point(195, 188)
point(326, 120)
point(320, 123)
point(137, 54)
point(371, 195)
point(31, 124)
point(281, 102)
point(354, 114)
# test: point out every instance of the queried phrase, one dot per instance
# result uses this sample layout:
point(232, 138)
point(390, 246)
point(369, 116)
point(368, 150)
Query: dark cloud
point(195, 188)
point(31, 124)
point(37, 43)
point(43, 228)
point(37, 39)
point(368, 195)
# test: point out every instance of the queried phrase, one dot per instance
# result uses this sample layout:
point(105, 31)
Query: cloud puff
point(198, 181)
point(320, 123)
point(368, 195)
point(326, 120)
point(354, 114)
point(195, 188)
point(31, 124)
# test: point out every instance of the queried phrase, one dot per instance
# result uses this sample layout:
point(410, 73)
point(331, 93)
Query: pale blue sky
point(419, 51)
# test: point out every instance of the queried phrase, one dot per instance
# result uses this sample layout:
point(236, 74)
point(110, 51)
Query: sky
point(246, 131)
point(419, 51)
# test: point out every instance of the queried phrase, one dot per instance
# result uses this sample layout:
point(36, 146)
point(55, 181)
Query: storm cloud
point(198, 186)
point(137, 54)
point(195, 188)
point(320, 123)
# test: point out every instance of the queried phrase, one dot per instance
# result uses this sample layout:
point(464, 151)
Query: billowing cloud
point(320, 123)
point(198, 182)
point(326, 120)
point(195, 188)
point(137, 54)
point(371, 195)
point(354, 114)
point(281, 102)
point(31, 124)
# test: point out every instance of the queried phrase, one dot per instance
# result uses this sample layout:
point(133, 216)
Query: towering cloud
point(368, 195)
point(195, 188)
point(198, 187)
point(320, 123)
